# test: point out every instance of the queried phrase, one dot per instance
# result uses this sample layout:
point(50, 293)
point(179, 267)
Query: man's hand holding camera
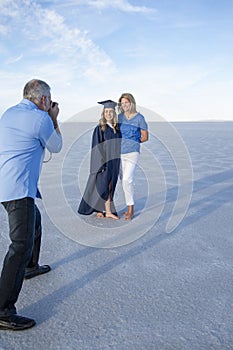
point(53, 112)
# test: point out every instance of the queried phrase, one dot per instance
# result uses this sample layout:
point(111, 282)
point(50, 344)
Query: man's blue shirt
point(131, 132)
point(25, 132)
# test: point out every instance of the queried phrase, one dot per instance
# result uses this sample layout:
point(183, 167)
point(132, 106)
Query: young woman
point(134, 130)
point(104, 167)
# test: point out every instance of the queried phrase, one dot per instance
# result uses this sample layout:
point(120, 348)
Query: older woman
point(134, 130)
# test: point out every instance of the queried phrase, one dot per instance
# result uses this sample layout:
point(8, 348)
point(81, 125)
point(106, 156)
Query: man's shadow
point(202, 206)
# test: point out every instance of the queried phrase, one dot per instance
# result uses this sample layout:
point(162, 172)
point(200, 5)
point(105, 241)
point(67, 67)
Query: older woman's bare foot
point(128, 216)
point(129, 213)
point(111, 216)
point(100, 215)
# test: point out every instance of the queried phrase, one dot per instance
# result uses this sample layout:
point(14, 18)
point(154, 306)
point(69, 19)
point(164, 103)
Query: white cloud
point(163, 89)
point(121, 5)
point(8, 7)
point(80, 72)
point(11, 88)
point(47, 35)
point(14, 59)
point(3, 30)
point(52, 51)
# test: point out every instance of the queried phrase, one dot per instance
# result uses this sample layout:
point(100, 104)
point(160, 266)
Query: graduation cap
point(108, 104)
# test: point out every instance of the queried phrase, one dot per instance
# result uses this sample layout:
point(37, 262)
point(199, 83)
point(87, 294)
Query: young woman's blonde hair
point(103, 122)
point(131, 99)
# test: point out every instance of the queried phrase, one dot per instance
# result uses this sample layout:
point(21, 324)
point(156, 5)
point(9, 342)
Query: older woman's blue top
point(131, 132)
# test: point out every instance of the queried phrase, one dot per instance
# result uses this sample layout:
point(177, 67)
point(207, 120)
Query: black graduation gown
point(104, 170)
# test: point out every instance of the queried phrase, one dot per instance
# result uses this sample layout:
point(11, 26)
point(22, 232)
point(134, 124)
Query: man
point(25, 131)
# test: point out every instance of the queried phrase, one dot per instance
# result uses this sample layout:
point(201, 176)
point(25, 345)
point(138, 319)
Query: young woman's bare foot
point(111, 216)
point(100, 215)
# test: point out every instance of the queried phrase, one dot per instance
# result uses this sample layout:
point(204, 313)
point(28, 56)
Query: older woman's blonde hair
point(131, 99)
point(103, 121)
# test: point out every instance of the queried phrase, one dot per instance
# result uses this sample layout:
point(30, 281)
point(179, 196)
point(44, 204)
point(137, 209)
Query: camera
point(53, 104)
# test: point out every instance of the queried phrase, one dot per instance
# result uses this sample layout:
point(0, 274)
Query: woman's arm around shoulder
point(143, 129)
point(144, 136)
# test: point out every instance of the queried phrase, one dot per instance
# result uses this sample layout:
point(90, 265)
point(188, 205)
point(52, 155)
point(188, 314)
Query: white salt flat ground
point(165, 291)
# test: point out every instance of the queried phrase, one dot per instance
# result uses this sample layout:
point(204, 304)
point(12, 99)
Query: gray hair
point(35, 89)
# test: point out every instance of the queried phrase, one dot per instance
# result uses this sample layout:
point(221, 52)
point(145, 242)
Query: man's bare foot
point(100, 215)
point(111, 216)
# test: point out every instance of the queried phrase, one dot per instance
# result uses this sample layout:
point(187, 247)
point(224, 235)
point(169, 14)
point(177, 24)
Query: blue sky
point(174, 56)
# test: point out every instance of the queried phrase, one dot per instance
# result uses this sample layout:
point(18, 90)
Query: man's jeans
point(24, 226)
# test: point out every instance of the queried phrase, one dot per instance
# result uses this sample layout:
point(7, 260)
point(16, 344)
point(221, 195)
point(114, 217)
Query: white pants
point(127, 170)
